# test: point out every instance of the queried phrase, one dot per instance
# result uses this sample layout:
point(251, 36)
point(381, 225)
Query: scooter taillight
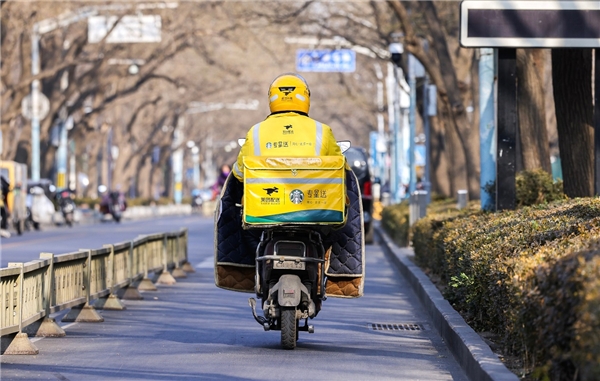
point(367, 189)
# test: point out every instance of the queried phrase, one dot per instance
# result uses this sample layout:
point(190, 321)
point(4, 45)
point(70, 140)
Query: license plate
point(289, 265)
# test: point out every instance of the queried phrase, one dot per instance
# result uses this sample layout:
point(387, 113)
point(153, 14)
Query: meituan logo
point(288, 126)
point(270, 191)
point(287, 90)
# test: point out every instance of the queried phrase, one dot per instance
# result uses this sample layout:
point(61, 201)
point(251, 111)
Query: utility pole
point(177, 158)
point(487, 126)
point(395, 144)
point(412, 117)
point(38, 100)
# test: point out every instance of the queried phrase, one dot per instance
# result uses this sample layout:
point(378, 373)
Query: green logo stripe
point(317, 215)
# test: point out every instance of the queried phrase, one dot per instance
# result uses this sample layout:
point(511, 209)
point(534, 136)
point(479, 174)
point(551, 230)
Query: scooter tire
point(289, 328)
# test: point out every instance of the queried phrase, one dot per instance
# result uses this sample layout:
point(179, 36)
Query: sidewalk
point(473, 354)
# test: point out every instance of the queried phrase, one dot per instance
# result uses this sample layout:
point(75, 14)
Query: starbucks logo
point(296, 196)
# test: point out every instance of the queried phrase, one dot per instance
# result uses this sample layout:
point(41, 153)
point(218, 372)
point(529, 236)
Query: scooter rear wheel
point(289, 328)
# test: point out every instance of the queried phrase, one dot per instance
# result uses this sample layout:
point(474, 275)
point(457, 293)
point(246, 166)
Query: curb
point(472, 353)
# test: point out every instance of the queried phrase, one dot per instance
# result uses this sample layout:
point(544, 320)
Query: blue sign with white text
point(323, 60)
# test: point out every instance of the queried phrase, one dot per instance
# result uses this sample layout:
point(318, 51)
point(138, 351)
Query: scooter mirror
point(344, 145)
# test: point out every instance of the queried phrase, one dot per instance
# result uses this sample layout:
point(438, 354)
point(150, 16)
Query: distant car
point(358, 159)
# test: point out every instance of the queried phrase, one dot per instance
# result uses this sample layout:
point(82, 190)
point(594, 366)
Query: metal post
point(61, 156)
point(380, 147)
point(398, 191)
point(426, 175)
point(48, 298)
point(462, 199)
point(412, 113)
point(402, 103)
point(72, 164)
point(109, 159)
point(487, 126)
point(177, 158)
point(507, 129)
point(597, 121)
point(35, 105)
point(196, 169)
point(391, 85)
point(87, 277)
point(178, 176)
point(417, 206)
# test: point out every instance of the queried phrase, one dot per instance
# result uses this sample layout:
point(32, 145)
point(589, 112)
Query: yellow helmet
point(289, 92)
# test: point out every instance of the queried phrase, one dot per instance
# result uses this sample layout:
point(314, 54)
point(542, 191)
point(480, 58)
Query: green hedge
point(394, 219)
point(529, 276)
point(139, 201)
point(537, 187)
point(520, 274)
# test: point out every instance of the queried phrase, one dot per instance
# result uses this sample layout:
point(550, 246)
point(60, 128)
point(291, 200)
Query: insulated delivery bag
point(294, 191)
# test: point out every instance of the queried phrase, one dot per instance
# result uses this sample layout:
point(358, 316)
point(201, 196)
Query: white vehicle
point(40, 207)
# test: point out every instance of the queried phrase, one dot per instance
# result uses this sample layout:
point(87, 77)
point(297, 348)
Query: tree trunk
point(572, 81)
point(532, 110)
point(440, 178)
point(443, 75)
point(469, 138)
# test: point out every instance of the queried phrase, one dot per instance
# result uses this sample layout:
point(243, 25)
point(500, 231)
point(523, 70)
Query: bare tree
point(444, 76)
point(574, 116)
point(535, 150)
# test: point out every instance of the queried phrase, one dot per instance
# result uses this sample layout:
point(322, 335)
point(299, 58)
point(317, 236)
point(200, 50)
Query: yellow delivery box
point(294, 190)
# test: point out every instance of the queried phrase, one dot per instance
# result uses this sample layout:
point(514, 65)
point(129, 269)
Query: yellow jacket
point(287, 134)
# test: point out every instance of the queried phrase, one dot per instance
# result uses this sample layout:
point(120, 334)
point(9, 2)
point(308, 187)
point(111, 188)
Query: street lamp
point(398, 102)
point(195, 162)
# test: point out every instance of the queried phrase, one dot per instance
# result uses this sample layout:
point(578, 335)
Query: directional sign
point(340, 60)
point(130, 29)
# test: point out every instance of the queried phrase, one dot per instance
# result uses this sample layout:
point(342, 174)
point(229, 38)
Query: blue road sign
point(323, 60)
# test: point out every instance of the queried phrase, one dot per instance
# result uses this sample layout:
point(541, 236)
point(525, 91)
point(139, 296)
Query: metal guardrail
point(32, 291)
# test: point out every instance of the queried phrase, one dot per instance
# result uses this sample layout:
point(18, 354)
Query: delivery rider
point(288, 130)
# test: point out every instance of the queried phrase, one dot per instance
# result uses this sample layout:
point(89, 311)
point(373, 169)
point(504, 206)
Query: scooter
point(301, 240)
point(290, 281)
point(197, 200)
point(290, 261)
point(114, 204)
point(67, 205)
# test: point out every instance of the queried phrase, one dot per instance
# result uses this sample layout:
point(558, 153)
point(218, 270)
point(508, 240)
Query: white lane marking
point(208, 263)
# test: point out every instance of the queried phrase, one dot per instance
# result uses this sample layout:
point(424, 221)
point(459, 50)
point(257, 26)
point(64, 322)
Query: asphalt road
point(195, 331)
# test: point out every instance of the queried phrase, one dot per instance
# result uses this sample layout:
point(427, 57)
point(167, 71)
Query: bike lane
point(195, 331)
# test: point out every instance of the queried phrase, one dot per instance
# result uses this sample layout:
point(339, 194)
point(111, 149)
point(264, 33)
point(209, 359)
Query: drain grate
point(396, 327)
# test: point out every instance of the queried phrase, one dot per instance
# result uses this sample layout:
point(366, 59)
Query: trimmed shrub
point(508, 273)
point(561, 313)
point(89, 201)
point(537, 187)
point(395, 221)
point(395, 218)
